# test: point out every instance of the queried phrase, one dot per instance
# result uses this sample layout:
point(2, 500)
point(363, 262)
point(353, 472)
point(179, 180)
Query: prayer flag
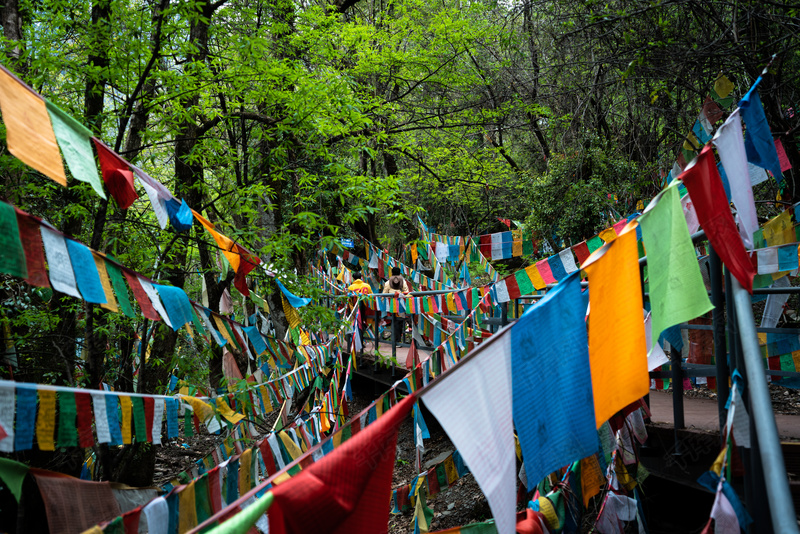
point(117, 176)
point(62, 276)
point(176, 304)
point(677, 291)
point(86, 274)
point(31, 240)
point(730, 146)
point(73, 138)
point(759, 145)
point(12, 260)
point(553, 406)
point(705, 186)
point(347, 490)
point(7, 418)
point(46, 421)
point(115, 274)
point(29, 133)
point(617, 344)
point(544, 271)
point(100, 264)
point(477, 394)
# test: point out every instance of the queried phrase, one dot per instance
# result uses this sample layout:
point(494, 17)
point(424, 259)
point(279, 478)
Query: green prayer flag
point(12, 260)
point(594, 243)
point(67, 420)
point(244, 520)
point(677, 291)
point(187, 424)
point(75, 142)
point(441, 476)
point(118, 283)
point(201, 499)
point(117, 526)
point(139, 420)
point(197, 324)
point(524, 282)
point(12, 474)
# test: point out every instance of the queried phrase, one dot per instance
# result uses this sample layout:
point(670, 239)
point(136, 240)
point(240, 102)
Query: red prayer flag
point(247, 263)
point(486, 245)
point(131, 521)
point(141, 297)
point(348, 490)
point(117, 176)
point(83, 405)
point(149, 410)
point(708, 196)
point(266, 455)
point(581, 250)
point(214, 490)
point(711, 110)
point(512, 287)
point(34, 250)
point(412, 358)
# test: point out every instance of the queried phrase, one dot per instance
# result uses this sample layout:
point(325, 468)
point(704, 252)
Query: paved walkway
point(702, 414)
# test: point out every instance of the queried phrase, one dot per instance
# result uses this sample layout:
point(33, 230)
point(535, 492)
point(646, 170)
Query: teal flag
point(677, 292)
point(74, 140)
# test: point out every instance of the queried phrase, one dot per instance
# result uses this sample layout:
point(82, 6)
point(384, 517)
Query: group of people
point(396, 284)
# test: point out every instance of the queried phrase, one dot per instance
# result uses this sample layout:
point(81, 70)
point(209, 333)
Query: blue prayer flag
point(177, 305)
point(294, 300)
point(758, 142)
point(552, 384)
point(86, 272)
point(26, 417)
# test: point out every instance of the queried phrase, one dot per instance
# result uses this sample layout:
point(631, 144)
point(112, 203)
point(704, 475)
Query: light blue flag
point(758, 141)
point(294, 300)
point(255, 338)
point(552, 382)
point(176, 304)
point(86, 274)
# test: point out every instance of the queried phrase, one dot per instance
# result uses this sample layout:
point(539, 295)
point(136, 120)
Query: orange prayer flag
point(224, 242)
point(617, 347)
point(29, 132)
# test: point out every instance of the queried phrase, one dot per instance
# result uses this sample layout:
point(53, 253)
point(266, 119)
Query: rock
point(451, 506)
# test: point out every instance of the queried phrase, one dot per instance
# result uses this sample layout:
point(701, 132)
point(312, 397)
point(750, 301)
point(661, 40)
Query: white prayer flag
point(477, 394)
point(62, 277)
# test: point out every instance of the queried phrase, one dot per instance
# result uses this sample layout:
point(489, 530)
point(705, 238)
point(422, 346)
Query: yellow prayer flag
point(244, 471)
point(29, 132)
point(105, 281)
point(617, 348)
point(516, 243)
point(127, 408)
point(775, 230)
point(46, 422)
point(723, 86)
point(609, 234)
point(451, 303)
point(226, 411)
point(717, 465)
point(535, 276)
point(291, 447)
point(223, 331)
point(228, 447)
point(450, 469)
point(691, 144)
point(592, 479)
point(379, 407)
point(187, 518)
point(291, 314)
point(201, 409)
point(265, 396)
point(280, 479)
point(549, 513)
point(337, 438)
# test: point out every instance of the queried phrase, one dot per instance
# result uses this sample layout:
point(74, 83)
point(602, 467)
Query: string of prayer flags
point(759, 145)
point(478, 394)
point(617, 344)
point(74, 139)
point(29, 133)
point(730, 146)
point(713, 211)
point(342, 492)
point(117, 176)
point(553, 411)
point(677, 291)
